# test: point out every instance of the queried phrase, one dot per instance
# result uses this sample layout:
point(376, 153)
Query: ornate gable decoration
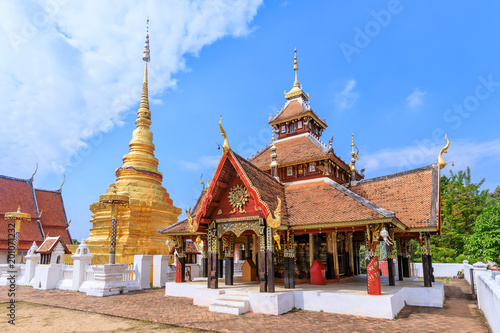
point(238, 197)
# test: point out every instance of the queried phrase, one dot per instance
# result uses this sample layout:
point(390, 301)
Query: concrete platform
point(349, 297)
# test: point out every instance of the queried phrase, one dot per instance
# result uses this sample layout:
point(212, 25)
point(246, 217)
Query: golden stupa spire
point(296, 91)
point(141, 153)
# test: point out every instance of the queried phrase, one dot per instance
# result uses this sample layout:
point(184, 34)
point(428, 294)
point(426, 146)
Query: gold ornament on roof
point(238, 197)
point(192, 224)
point(198, 242)
point(355, 155)
point(441, 161)
point(275, 222)
point(225, 146)
point(296, 91)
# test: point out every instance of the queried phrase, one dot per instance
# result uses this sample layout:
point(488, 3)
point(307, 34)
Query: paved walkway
point(460, 313)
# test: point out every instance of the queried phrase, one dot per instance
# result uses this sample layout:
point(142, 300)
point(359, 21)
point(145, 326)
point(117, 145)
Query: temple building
point(136, 205)
point(299, 211)
point(47, 216)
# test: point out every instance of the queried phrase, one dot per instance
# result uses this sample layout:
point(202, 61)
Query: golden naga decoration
point(276, 221)
point(192, 224)
point(238, 197)
point(198, 242)
point(441, 161)
point(225, 146)
point(36, 169)
point(64, 180)
point(277, 239)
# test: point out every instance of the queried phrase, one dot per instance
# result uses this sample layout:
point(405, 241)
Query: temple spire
point(274, 162)
point(295, 69)
point(355, 156)
point(141, 152)
point(296, 91)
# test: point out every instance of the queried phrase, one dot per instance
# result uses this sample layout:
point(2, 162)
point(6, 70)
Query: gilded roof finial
point(274, 162)
point(64, 180)
point(202, 182)
point(36, 169)
point(296, 91)
point(441, 161)
point(225, 146)
point(355, 156)
point(295, 68)
point(145, 54)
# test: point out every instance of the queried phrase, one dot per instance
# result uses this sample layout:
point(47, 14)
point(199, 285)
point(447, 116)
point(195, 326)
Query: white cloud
point(461, 153)
point(69, 70)
point(346, 99)
point(202, 163)
point(415, 98)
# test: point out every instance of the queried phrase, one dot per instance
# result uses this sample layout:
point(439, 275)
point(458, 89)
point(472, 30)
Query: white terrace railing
point(130, 273)
point(67, 272)
point(90, 274)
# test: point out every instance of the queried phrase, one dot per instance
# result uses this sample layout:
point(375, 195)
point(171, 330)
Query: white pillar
point(32, 260)
point(142, 265)
point(81, 260)
point(160, 269)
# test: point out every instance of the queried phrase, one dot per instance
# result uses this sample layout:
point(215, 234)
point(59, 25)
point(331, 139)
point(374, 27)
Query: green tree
point(494, 197)
point(461, 203)
point(484, 243)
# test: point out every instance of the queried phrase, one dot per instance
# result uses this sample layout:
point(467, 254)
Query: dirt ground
point(37, 318)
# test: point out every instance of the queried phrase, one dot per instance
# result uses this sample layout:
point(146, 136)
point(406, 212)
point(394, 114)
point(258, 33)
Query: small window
point(289, 171)
point(283, 129)
point(312, 167)
point(337, 171)
point(299, 124)
point(291, 128)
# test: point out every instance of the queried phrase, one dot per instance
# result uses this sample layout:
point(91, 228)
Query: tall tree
point(484, 243)
point(461, 204)
point(494, 197)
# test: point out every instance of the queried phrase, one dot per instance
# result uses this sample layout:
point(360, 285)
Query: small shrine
point(52, 251)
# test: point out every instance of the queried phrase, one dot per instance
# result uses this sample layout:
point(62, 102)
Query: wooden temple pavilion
point(296, 203)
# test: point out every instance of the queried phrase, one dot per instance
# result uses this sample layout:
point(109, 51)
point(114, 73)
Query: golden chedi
point(150, 207)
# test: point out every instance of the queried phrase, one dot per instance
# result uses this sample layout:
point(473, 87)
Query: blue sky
point(397, 74)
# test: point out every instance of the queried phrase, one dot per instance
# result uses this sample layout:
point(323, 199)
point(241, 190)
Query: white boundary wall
point(488, 299)
point(441, 270)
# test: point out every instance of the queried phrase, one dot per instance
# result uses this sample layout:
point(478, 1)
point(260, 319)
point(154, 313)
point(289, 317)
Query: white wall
point(441, 270)
point(488, 299)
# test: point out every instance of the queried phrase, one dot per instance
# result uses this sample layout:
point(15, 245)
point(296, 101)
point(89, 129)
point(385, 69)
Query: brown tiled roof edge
point(360, 199)
point(394, 175)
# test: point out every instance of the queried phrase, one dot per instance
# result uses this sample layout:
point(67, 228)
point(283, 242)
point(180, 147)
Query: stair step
point(232, 302)
point(226, 309)
point(235, 297)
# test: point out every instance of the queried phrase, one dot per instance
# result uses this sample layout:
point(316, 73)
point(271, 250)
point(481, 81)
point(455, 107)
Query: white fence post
point(160, 269)
point(142, 264)
point(32, 260)
point(81, 260)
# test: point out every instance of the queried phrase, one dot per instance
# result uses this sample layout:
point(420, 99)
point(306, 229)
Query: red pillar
point(373, 273)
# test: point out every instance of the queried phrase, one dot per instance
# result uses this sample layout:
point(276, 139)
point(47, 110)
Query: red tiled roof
point(295, 149)
point(413, 195)
point(13, 193)
point(292, 109)
point(191, 248)
point(50, 243)
point(268, 188)
point(321, 202)
point(53, 216)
